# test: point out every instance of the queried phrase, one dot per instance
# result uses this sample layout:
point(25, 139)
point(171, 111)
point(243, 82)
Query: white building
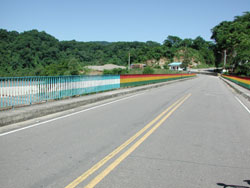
point(175, 66)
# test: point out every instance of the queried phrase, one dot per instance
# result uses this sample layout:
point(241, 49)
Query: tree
point(172, 41)
point(186, 60)
point(187, 43)
point(233, 37)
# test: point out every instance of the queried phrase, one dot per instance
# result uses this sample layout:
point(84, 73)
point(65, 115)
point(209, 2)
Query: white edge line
point(242, 104)
point(61, 117)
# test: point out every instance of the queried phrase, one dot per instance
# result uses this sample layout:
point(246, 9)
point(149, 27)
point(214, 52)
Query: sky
point(119, 20)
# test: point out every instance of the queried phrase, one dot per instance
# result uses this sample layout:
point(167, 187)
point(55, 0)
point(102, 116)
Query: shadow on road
point(235, 186)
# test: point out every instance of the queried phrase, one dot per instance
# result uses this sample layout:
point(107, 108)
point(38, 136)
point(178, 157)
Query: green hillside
point(38, 53)
point(35, 53)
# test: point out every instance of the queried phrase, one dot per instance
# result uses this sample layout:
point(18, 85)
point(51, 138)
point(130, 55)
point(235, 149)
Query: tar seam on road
point(243, 104)
point(118, 150)
point(61, 117)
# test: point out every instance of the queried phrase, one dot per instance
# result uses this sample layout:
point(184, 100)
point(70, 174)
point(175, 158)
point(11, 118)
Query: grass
point(202, 66)
point(156, 71)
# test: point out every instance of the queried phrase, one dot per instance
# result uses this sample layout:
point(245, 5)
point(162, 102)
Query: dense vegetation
point(233, 40)
point(35, 53)
point(38, 53)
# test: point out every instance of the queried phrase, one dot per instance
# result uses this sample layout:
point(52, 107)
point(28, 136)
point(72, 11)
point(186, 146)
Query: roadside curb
point(38, 110)
point(237, 88)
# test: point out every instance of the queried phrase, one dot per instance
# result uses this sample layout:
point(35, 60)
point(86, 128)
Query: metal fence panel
point(17, 91)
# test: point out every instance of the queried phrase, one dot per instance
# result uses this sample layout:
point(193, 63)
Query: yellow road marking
point(105, 172)
point(98, 165)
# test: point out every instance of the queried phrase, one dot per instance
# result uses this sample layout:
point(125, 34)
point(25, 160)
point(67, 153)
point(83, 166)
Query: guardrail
point(242, 81)
point(135, 80)
point(20, 91)
point(29, 90)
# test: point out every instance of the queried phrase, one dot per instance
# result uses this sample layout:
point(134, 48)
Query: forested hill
point(38, 53)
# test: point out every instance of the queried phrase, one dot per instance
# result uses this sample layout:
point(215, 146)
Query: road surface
point(191, 134)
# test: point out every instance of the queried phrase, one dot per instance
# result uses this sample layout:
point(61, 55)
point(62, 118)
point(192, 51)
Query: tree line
point(233, 44)
point(34, 53)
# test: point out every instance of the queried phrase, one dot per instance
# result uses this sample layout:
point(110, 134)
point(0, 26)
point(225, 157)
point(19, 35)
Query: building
point(175, 66)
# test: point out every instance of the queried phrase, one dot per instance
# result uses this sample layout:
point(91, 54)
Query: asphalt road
point(191, 134)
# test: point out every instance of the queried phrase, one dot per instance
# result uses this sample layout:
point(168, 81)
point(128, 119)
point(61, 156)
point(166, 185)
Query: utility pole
point(128, 60)
point(225, 58)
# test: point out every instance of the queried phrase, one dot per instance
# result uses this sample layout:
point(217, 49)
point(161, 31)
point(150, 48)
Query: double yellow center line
point(106, 171)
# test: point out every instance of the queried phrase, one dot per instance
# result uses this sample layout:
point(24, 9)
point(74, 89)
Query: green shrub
point(157, 67)
point(148, 70)
point(116, 71)
point(107, 72)
point(166, 67)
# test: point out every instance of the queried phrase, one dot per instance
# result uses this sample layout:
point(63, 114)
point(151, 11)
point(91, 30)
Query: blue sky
point(117, 20)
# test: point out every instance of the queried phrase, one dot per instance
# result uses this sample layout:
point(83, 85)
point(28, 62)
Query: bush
point(148, 70)
point(116, 71)
point(166, 67)
point(157, 67)
point(107, 72)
